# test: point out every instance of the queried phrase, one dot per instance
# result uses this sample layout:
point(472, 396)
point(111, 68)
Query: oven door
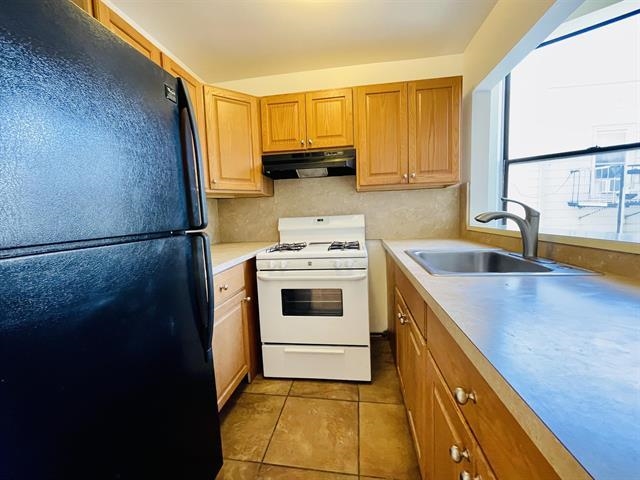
point(322, 307)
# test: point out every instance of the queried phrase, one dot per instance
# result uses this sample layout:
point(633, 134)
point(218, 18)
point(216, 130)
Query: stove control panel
point(313, 264)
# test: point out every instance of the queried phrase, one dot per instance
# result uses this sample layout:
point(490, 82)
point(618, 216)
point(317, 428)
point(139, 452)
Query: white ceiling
point(222, 40)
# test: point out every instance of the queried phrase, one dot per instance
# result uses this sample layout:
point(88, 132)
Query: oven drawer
point(312, 361)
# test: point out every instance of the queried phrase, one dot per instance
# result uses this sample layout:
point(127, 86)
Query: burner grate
point(345, 245)
point(287, 247)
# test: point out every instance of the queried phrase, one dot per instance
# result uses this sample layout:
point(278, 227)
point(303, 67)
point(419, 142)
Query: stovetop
point(337, 249)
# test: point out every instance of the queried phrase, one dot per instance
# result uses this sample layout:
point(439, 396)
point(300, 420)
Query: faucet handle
point(529, 212)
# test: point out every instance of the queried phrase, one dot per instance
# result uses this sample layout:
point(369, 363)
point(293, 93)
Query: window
point(572, 128)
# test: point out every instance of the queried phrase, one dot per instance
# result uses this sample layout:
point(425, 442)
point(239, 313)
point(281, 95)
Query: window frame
point(506, 162)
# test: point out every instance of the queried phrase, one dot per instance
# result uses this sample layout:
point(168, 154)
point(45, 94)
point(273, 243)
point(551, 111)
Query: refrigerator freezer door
point(90, 133)
point(104, 368)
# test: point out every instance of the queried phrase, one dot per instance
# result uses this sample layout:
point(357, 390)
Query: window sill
point(601, 244)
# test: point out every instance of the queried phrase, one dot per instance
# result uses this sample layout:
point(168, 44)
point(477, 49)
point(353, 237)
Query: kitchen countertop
point(559, 351)
point(227, 255)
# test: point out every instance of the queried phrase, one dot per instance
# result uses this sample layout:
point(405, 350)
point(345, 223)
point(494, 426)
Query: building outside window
point(572, 128)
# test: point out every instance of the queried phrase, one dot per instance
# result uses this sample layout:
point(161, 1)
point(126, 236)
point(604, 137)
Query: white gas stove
point(313, 300)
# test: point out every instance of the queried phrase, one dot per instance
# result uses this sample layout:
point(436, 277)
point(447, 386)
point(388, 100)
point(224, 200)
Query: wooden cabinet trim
point(126, 32)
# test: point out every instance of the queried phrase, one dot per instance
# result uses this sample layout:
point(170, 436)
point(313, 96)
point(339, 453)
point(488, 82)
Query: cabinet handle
point(462, 396)
point(223, 287)
point(310, 142)
point(457, 455)
point(302, 142)
point(247, 299)
point(402, 317)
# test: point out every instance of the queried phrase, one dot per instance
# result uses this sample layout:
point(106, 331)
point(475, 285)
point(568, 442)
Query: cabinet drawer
point(414, 301)
point(509, 450)
point(227, 283)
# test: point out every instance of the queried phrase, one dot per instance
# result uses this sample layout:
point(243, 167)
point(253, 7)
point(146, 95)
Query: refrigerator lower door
point(105, 369)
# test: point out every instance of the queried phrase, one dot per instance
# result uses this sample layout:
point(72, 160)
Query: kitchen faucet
point(528, 226)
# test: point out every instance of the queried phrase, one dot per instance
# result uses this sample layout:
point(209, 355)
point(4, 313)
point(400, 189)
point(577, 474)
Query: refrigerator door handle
point(196, 187)
point(204, 278)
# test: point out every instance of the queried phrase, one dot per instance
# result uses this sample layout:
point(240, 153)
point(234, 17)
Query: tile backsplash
point(401, 214)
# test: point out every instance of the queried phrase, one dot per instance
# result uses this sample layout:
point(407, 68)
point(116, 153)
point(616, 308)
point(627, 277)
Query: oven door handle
point(264, 276)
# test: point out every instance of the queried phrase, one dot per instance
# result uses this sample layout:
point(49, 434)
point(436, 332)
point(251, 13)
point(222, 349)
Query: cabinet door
point(419, 401)
point(126, 32)
point(381, 135)
point(448, 432)
point(196, 93)
point(230, 356)
point(329, 118)
point(434, 131)
point(233, 141)
point(401, 340)
point(283, 122)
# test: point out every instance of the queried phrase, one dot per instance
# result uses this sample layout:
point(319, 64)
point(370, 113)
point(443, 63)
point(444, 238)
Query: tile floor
point(320, 430)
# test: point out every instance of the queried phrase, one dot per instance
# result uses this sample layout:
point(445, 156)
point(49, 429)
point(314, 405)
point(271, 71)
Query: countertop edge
point(561, 459)
point(235, 254)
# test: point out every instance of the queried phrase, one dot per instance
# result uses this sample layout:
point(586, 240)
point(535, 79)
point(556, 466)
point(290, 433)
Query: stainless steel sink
point(488, 262)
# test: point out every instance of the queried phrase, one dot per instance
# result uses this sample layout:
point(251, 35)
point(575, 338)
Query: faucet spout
point(528, 226)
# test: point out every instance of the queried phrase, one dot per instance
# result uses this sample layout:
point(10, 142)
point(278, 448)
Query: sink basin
point(488, 262)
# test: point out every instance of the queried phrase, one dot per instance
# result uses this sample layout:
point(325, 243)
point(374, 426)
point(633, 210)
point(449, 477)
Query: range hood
point(326, 163)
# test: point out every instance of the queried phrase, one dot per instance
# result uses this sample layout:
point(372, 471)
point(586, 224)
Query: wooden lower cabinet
point(479, 440)
point(234, 330)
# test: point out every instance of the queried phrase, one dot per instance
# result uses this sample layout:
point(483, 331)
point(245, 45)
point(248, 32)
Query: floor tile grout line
point(274, 430)
point(309, 469)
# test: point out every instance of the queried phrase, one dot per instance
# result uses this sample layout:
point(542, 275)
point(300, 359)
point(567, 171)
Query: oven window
point(312, 302)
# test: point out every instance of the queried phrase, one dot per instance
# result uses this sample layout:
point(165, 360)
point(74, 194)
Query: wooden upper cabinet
point(283, 122)
point(329, 116)
point(434, 131)
point(381, 135)
point(233, 139)
point(86, 5)
point(126, 32)
point(300, 121)
point(196, 94)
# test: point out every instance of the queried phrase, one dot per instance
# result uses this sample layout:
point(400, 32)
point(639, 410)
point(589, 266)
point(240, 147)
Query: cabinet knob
point(402, 317)
point(457, 454)
point(310, 142)
point(405, 177)
point(214, 181)
point(223, 287)
point(462, 396)
point(464, 475)
point(247, 299)
point(413, 175)
point(302, 142)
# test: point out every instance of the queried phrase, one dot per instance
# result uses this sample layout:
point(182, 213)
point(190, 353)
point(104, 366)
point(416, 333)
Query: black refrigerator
point(106, 306)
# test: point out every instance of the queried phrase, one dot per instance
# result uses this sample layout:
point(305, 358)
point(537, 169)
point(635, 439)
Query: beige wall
point(213, 228)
